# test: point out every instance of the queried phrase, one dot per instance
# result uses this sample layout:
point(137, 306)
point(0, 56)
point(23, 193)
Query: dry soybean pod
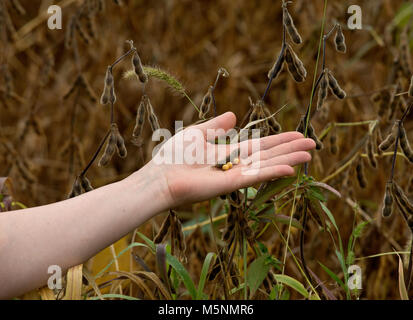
point(108, 94)
point(388, 200)
point(291, 65)
point(361, 178)
point(76, 189)
point(277, 67)
point(311, 134)
point(290, 27)
point(370, 152)
point(163, 231)
point(137, 66)
point(152, 118)
point(206, 103)
point(339, 40)
point(404, 144)
point(322, 91)
point(140, 117)
point(120, 144)
point(402, 199)
point(391, 138)
point(86, 185)
point(334, 86)
point(109, 150)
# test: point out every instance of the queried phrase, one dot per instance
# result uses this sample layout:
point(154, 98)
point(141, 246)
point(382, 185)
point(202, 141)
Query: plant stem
point(96, 154)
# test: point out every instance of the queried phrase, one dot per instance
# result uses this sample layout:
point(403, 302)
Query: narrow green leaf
point(292, 283)
point(204, 273)
point(330, 215)
point(333, 275)
point(183, 274)
point(148, 241)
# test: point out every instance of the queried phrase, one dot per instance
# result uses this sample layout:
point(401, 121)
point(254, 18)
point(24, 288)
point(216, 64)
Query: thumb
point(225, 121)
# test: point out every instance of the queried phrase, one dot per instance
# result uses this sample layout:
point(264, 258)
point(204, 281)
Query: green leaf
point(333, 276)
point(315, 193)
point(342, 264)
point(330, 215)
point(183, 274)
point(292, 283)
point(271, 189)
point(204, 273)
point(148, 241)
point(257, 272)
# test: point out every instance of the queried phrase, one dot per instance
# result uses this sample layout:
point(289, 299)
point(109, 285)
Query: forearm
point(69, 232)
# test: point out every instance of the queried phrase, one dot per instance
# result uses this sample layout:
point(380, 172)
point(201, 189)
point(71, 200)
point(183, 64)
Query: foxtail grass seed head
point(140, 117)
point(388, 200)
point(361, 177)
point(108, 95)
point(411, 87)
point(206, 103)
point(290, 27)
point(404, 144)
point(86, 185)
point(335, 87)
point(137, 65)
point(391, 138)
point(339, 40)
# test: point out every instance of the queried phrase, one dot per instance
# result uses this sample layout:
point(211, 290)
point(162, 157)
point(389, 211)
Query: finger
point(291, 159)
point(263, 174)
point(223, 122)
point(252, 145)
point(304, 144)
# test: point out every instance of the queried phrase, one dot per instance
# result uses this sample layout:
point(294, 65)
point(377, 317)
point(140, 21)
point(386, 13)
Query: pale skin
point(69, 232)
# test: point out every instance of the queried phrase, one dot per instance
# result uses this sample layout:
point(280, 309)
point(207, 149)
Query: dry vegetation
point(51, 123)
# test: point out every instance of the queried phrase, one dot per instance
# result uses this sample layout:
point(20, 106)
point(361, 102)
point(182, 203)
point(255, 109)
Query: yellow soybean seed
point(229, 164)
point(236, 160)
point(225, 167)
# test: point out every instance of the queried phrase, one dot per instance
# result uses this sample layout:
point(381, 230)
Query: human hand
point(186, 183)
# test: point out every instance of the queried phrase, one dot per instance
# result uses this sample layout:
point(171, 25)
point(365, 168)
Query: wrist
point(148, 188)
